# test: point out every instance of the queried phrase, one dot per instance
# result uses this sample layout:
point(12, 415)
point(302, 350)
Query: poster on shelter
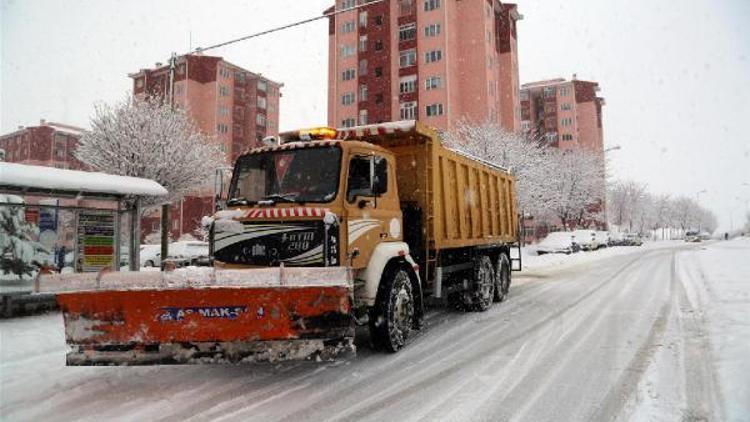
point(96, 240)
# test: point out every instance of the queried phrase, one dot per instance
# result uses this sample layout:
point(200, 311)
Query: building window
point(224, 91)
point(363, 43)
point(433, 82)
point(378, 45)
point(567, 137)
point(551, 137)
point(260, 119)
point(262, 85)
point(406, 7)
point(350, 122)
point(363, 19)
point(224, 72)
point(223, 111)
point(363, 117)
point(348, 74)
point(433, 56)
point(362, 93)
point(139, 83)
point(524, 96)
point(564, 91)
point(378, 20)
point(347, 4)
point(347, 99)
point(431, 5)
point(525, 126)
point(347, 27)
point(222, 128)
point(565, 106)
point(549, 91)
point(434, 110)
point(239, 76)
point(407, 84)
point(262, 102)
point(363, 67)
point(432, 30)
point(407, 32)
point(407, 58)
point(566, 121)
point(378, 98)
point(347, 50)
point(378, 71)
point(408, 110)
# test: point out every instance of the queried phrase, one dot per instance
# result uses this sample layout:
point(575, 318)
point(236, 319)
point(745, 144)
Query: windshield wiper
point(281, 197)
point(237, 201)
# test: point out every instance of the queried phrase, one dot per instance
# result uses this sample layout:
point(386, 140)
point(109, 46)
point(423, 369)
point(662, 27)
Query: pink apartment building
point(49, 144)
point(438, 61)
point(567, 114)
point(235, 105)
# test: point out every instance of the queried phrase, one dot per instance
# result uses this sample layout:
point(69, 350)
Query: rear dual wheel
point(481, 291)
point(502, 278)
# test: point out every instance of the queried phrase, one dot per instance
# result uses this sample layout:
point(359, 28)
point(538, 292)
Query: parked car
point(150, 255)
point(586, 239)
point(558, 242)
point(692, 236)
point(602, 239)
point(617, 239)
point(632, 239)
point(189, 253)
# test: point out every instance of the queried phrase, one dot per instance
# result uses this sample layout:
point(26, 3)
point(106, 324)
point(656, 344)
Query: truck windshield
point(298, 175)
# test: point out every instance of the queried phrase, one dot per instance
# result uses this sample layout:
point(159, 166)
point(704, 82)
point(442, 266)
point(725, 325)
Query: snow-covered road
point(654, 333)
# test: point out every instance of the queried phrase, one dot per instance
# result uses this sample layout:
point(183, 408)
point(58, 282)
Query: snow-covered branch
point(147, 138)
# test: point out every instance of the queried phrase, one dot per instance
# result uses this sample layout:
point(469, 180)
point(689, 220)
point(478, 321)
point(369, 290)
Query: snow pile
point(532, 261)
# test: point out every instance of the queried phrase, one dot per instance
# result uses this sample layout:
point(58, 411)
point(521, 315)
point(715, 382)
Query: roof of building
point(164, 67)
point(58, 127)
point(22, 178)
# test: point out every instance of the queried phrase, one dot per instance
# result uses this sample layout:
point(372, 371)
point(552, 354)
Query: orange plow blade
point(211, 317)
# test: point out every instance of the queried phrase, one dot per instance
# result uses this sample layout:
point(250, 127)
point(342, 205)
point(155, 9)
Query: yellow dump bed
point(464, 201)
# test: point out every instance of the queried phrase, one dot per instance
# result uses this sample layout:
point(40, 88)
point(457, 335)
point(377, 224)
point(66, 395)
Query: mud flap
point(233, 318)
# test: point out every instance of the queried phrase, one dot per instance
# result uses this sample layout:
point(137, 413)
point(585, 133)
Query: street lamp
point(697, 195)
point(614, 148)
point(698, 201)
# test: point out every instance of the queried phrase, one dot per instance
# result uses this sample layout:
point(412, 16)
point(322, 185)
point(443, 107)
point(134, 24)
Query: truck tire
point(481, 289)
point(502, 277)
point(392, 318)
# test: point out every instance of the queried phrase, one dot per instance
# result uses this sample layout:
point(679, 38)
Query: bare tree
point(147, 138)
point(576, 191)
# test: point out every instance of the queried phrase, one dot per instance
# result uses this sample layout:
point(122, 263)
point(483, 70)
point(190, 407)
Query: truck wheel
point(392, 318)
point(484, 284)
point(481, 288)
point(502, 278)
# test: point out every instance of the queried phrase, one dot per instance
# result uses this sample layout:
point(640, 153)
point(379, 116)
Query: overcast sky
point(675, 74)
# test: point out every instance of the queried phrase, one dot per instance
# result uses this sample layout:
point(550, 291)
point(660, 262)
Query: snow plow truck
point(323, 230)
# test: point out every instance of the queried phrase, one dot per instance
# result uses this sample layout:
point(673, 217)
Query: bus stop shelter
point(126, 193)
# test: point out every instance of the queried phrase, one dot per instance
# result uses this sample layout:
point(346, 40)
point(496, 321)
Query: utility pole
point(170, 97)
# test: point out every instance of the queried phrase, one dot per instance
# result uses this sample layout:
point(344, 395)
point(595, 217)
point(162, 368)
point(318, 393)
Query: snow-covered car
point(558, 242)
point(692, 236)
point(184, 253)
point(632, 239)
point(586, 239)
point(601, 239)
point(150, 255)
